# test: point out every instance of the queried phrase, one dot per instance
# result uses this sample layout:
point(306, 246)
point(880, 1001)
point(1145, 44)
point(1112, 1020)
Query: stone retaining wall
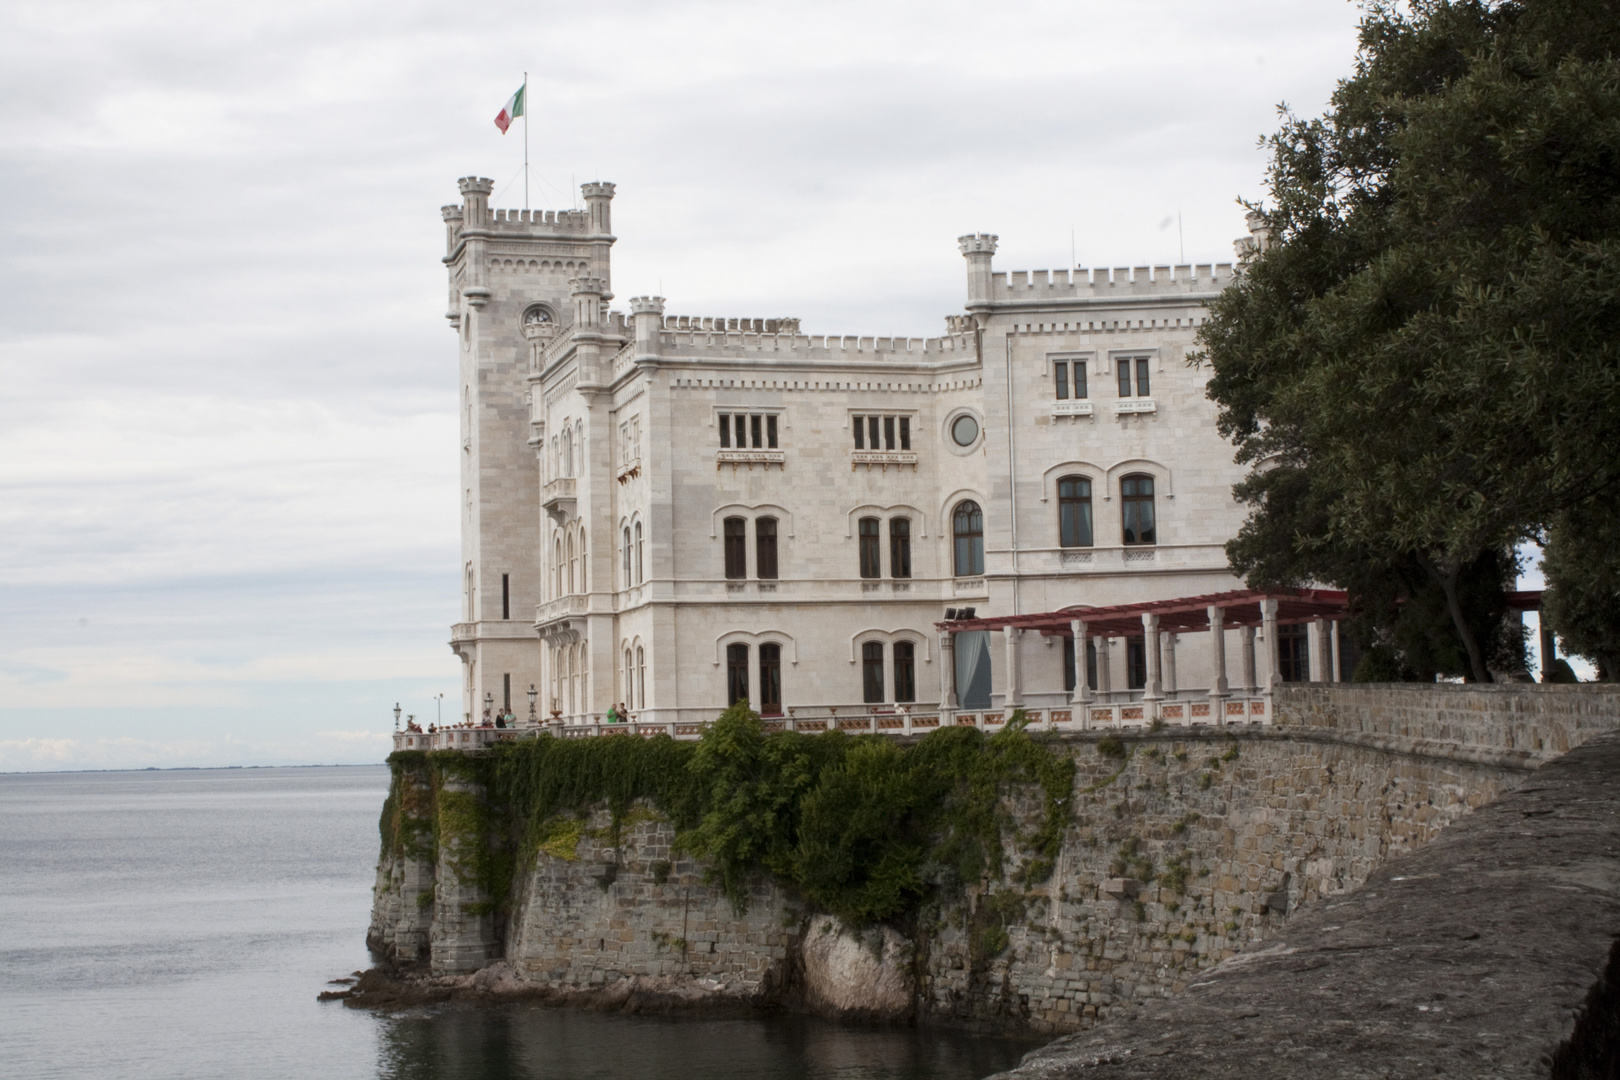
point(1197, 843)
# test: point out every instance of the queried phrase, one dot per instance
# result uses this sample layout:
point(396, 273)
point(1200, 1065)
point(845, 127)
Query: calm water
point(179, 924)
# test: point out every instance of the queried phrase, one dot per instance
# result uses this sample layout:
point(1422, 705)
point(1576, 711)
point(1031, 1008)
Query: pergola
point(1246, 610)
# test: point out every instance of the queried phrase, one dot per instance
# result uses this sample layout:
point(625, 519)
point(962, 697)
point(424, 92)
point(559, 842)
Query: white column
point(1322, 662)
point(1170, 664)
point(1014, 697)
point(1268, 631)
point(1335, 631)
point(1217, 653)
point(1105, 683)
point(947, 671)
point(1082, 685)
point(1150, 650)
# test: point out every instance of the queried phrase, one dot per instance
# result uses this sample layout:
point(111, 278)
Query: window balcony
point(1135, 406)
point(749, 457)
point(882, 458)
point(1071, 408)
point(558, 498)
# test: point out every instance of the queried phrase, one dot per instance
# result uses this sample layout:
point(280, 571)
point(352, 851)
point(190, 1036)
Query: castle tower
point(509, 294)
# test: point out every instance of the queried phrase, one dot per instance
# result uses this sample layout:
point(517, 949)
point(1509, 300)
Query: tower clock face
point(536, 316)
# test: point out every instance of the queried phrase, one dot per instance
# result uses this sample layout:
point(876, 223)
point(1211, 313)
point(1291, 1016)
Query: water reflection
point(525, 1042)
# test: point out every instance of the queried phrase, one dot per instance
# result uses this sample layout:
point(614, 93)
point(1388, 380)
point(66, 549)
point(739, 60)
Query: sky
point(228, 530)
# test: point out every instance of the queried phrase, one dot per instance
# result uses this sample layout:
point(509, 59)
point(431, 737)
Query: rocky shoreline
point(388, 987)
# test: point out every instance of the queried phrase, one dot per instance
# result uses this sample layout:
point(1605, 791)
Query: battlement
point(697, 341)
point(1102, 284)
point(743, 326)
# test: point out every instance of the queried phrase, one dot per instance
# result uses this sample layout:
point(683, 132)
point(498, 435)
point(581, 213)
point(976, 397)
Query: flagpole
point(525, 140)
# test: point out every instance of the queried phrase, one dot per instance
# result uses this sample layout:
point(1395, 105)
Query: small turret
point(1258, 240)
point(475, 200)
point(587, 293)
point(978, 249)
point(452, 226)
point(599, 204)
point(648, 312)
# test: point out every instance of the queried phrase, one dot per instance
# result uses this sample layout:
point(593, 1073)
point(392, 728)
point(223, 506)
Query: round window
point(964, 430)
point(536, 315)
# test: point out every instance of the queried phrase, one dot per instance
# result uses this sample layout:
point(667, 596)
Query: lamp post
point(489, 704)
point(439, 701)
point(533, 693)
point(396, 716)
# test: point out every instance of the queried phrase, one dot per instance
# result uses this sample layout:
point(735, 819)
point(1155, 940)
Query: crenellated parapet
point(696, 343)
point(725, 325)
point(1102, 285)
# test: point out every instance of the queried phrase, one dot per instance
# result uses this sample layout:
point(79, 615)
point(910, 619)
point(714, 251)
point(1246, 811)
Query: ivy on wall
point(859, 826)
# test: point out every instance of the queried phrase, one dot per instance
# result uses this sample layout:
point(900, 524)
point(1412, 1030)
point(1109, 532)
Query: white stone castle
point(674, 512)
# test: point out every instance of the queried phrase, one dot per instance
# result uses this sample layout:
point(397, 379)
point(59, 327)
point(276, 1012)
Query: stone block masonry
point(1186, 847)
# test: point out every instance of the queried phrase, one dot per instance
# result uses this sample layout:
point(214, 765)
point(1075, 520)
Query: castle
point(674, 512)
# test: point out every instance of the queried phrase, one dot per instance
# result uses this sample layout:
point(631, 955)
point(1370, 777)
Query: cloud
point(227, 399)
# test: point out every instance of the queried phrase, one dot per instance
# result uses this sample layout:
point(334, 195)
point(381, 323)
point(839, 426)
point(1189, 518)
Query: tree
point(1582, 601)
point(1421, 359)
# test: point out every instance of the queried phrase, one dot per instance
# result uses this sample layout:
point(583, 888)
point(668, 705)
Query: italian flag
point(511, 110)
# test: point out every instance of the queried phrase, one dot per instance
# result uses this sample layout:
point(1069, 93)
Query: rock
point(857, 974)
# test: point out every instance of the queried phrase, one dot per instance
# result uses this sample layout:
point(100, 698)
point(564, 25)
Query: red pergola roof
point(1189, 614)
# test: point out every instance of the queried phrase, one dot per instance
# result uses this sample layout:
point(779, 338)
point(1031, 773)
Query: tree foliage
point(1421, 365)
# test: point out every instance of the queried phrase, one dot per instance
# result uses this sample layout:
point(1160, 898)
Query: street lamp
point(533, 693)
point(439, 701)
point(489, 703)
point(396, 716)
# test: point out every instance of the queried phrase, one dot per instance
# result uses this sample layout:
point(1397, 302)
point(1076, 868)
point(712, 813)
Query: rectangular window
point(756, 422)
point(872, 672)
point(882, 431)
point(900, 547)
point(905, 671)
point(1060, 379)
point(905, 433)
point(872, 432)
point(506, 692)
point(1069, 672)
point(1136, 664)
point(506, 596)
point(765, 548)
point(736, 548)
point(770, 430)
point(1079, 380)
point(888, 433)
point(742, 431)
point(725, 431)
point(871, 565)
point(770, 679)
point(1142, 377)
point(860, 433)
point(736, 674)
point(1124, 376)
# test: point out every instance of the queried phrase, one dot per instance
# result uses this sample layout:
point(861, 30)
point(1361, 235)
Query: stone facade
point(1195, 843)
point(604, 451)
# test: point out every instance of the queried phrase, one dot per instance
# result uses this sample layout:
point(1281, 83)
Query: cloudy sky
point(227, 390)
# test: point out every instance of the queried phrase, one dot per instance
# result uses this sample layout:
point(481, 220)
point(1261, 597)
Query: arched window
point(579, 448)
point(625, 558)
point(900, 547)
point(567, 453)
point(557, 568)
point(572, 560)
point(629, 682)
point(765, 548)
point(1074, 512)
point(871, 564)
point(905, 671)
point(1136, 501)
point(640, 576)
point(641, 677)
point(736, 674)
point(872, 672)
point(736, 548)
point(770, 679)
point(967, 526)
point(584, 676)
point(584, 563)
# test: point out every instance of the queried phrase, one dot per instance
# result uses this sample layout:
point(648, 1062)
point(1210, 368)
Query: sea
point(179, 923)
